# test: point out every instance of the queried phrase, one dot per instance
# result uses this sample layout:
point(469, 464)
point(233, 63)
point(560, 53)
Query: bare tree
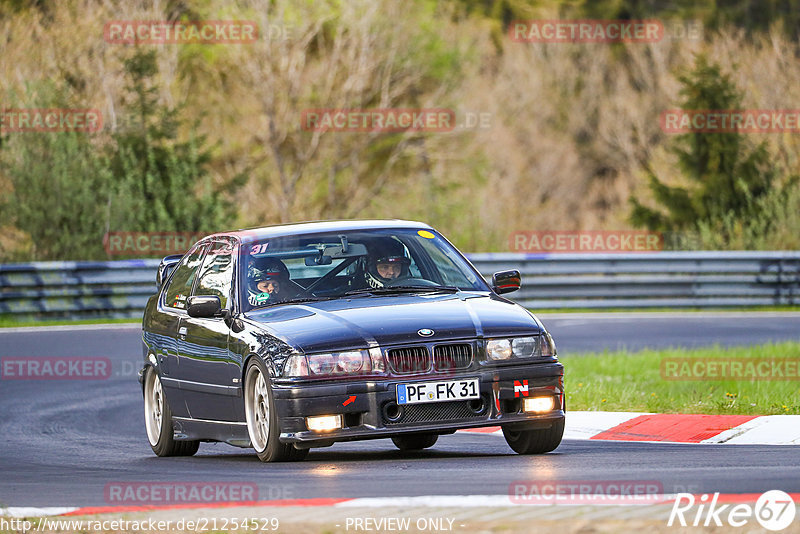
point(361, 56)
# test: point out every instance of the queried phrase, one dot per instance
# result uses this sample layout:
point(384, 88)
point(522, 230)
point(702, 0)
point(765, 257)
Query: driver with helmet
point(386, 261)
point(267, 281)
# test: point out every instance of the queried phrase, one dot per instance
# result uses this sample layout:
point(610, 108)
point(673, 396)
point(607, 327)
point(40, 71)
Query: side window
point(216, 274)
point(180, 286)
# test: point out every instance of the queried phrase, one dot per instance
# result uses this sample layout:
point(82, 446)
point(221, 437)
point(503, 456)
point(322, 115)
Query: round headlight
point(524, 347)
point(350, 362)
point(321, 364)
point(498, 349)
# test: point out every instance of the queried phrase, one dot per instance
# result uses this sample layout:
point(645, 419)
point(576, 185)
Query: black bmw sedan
point(286, 338)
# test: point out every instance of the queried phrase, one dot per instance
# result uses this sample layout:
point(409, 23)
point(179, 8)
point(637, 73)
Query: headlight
point(498, 349)
point(334, 363)
point(521, 347)
point(524, 347)
point(350, 362)
point(321, 364)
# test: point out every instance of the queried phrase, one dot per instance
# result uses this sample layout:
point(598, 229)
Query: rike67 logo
point(774, 510)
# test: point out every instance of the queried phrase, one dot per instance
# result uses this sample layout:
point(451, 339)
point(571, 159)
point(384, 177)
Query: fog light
point(538, 404)
point(324, 423)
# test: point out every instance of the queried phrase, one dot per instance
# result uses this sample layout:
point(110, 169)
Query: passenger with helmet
point(386, 261)
point(267, 281)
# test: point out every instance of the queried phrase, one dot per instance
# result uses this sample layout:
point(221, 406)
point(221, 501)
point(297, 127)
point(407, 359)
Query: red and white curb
point(684, 428)
point(613, 426)
point(679, 428)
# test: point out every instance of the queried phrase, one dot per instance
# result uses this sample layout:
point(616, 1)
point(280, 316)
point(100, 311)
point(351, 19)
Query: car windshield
point(322, 266)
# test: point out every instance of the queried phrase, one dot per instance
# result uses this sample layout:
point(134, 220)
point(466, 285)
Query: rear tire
point(415, 442)
point(263, 426)
point(158, 420)
point(536, 441)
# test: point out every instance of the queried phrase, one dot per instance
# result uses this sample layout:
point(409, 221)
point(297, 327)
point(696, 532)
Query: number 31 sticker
point(775, 510)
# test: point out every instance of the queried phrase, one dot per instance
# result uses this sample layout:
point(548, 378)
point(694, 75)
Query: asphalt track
point(65, 441)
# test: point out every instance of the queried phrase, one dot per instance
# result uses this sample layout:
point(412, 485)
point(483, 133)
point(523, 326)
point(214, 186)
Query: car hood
point(394, 320)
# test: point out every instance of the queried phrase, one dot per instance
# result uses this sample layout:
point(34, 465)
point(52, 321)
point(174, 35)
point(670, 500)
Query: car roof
point(266, 232)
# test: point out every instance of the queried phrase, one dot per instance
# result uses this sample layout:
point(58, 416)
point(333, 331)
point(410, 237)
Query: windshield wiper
point(402, 289)
point(302, 299)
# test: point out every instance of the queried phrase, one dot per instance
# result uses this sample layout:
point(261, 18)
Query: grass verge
point(10, 322)
point(634, 382)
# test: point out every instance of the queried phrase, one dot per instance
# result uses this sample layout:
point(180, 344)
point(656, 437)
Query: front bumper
point(374, 413)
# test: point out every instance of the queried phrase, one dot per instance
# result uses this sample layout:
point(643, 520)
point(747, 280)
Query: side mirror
point(204, 306)
point(506, 281)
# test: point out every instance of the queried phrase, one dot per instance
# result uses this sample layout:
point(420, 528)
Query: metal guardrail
point(662, 279)
point(665, 279)
point(114, 289)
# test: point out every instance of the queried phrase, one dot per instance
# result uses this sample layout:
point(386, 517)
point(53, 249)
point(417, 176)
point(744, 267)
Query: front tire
point(263, 426)
point(536, 441)
point(158, 420)
point(415, 442)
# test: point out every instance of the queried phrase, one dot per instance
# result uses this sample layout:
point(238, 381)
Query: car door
point(208, 372)
point(172, 308)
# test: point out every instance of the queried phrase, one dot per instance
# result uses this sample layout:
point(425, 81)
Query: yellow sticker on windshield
point(426, 234)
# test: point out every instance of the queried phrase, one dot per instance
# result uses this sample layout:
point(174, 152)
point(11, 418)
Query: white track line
point(20, 511)
point(496, 501)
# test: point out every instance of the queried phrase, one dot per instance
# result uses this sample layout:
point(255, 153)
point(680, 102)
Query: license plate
point(448, 390)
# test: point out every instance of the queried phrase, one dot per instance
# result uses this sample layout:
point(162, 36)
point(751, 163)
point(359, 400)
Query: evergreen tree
point(67, 189)
point(726, 176)
point(162, 183)
point(55, 188)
